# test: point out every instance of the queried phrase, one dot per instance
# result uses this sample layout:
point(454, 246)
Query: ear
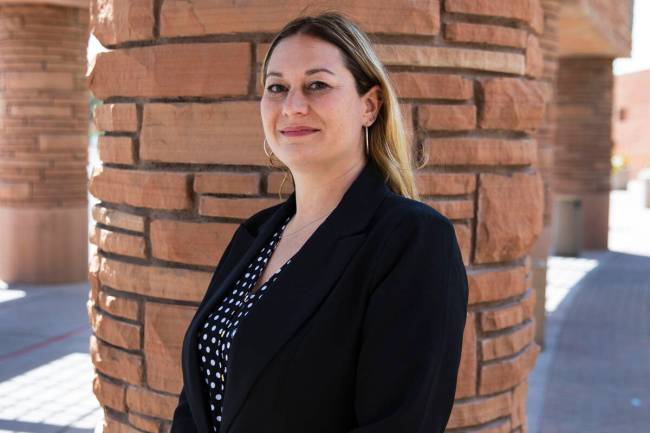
point(372, 101)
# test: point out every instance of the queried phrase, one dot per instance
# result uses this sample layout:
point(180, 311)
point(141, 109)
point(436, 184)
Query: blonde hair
point(388, 141)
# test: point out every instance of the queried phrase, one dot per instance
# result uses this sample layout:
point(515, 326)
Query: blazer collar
point(350, 215)
point(300, 289)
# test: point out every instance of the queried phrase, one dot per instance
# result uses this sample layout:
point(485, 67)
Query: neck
point(319, 191)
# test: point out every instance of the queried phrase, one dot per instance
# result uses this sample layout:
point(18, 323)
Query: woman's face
point(308, 87)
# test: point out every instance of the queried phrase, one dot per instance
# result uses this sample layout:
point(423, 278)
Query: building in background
point(631, 122)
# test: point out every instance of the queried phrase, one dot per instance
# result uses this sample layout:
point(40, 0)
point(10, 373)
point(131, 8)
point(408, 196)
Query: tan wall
point(630, 126)
point(43, 144)
point(183, 165)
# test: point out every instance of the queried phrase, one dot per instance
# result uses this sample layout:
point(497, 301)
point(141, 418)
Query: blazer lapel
point(301, 287)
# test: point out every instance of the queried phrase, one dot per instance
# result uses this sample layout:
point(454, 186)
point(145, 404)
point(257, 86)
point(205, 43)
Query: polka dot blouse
point(217, 333)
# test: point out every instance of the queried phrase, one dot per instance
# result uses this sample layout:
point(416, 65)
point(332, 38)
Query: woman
point(341, 309)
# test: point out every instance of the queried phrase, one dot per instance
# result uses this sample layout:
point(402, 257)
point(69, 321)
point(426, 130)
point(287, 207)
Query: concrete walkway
point(594, 372)
point(593, 376)
point(45, 369)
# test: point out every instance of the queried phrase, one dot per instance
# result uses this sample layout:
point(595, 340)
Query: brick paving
point(594, 372)
point(598, 378)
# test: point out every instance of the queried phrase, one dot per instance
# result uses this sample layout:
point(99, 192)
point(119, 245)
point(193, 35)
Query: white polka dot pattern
point(220, 327)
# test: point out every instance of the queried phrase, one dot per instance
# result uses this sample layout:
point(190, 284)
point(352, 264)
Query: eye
point(270, 88)
point(319, 82)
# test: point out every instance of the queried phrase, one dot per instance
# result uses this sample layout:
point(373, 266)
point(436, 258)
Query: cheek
point(267, 113)
point(340, 112)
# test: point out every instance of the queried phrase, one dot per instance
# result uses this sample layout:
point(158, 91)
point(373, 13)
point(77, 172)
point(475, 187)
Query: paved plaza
point(593, 375)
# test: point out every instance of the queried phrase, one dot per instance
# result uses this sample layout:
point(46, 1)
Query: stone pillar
point(584, 145)
point(43, 143)
point(183, 164)
point(545, 146)
point(591, 33)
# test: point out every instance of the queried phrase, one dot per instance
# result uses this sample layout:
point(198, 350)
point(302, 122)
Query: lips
point(298, 131)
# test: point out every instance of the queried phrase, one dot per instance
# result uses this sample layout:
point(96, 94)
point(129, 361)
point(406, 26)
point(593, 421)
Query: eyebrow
point(308, 72)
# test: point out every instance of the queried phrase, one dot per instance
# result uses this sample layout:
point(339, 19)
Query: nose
point(295, 103)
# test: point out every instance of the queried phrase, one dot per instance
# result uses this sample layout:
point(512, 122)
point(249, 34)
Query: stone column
point(183, 165)
point(548, 43)
point(584, 144)
point(43, 142)
point(591, 34)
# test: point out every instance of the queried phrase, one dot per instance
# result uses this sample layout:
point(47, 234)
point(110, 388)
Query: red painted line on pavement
point(43, 343)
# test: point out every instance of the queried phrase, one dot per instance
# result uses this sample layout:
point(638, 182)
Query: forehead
point(299, 53)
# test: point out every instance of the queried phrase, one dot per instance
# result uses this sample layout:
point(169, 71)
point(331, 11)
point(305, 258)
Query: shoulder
point(411, 236)
point(408, 216)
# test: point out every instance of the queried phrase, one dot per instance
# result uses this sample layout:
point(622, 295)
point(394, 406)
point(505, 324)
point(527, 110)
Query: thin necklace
point(306, 225)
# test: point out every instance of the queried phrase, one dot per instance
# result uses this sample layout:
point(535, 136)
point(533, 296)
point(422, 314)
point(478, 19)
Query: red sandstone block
point(464, 238)
point(234, 207)
point(485, 34)
point(121, 243)
point(512, 103)
point(118, 150)
point(165, 327)
point(117, 218)
point(39, 111)
point(115, 332)
point(227, 183)
point(431, 86)
point(225, 133)
point(534, 57)
point(519, 398)
point(62, 142)
point(38, 81)
point(507, 344)
point(116, 117)
point(155, 281)
point(152, 189)
point(479, 151)
point(172, 70)
point(453, 209)
point(273, 182)
point(466, 381)
point(93, 277)
point(150, 403)
point(451, 57)
point(109, 394)
point(508, 316)
point(116, 363)
point(145, 423)
point(496, 285)
point(510, 211)
point(447, 117)
point(111, 425)
point(119, 305)
point(13, 191)
point(433, 183)
point(190, 242)
point(475, 412)
point(503, 375)
point(120, 21)
point(180, 18)
point(527, 11)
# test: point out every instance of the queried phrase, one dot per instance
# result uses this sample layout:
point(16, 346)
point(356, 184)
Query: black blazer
point(362, 332)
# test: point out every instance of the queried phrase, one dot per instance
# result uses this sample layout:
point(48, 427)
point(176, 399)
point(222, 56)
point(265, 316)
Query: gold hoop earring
point(267, 153)
point(367, 149)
